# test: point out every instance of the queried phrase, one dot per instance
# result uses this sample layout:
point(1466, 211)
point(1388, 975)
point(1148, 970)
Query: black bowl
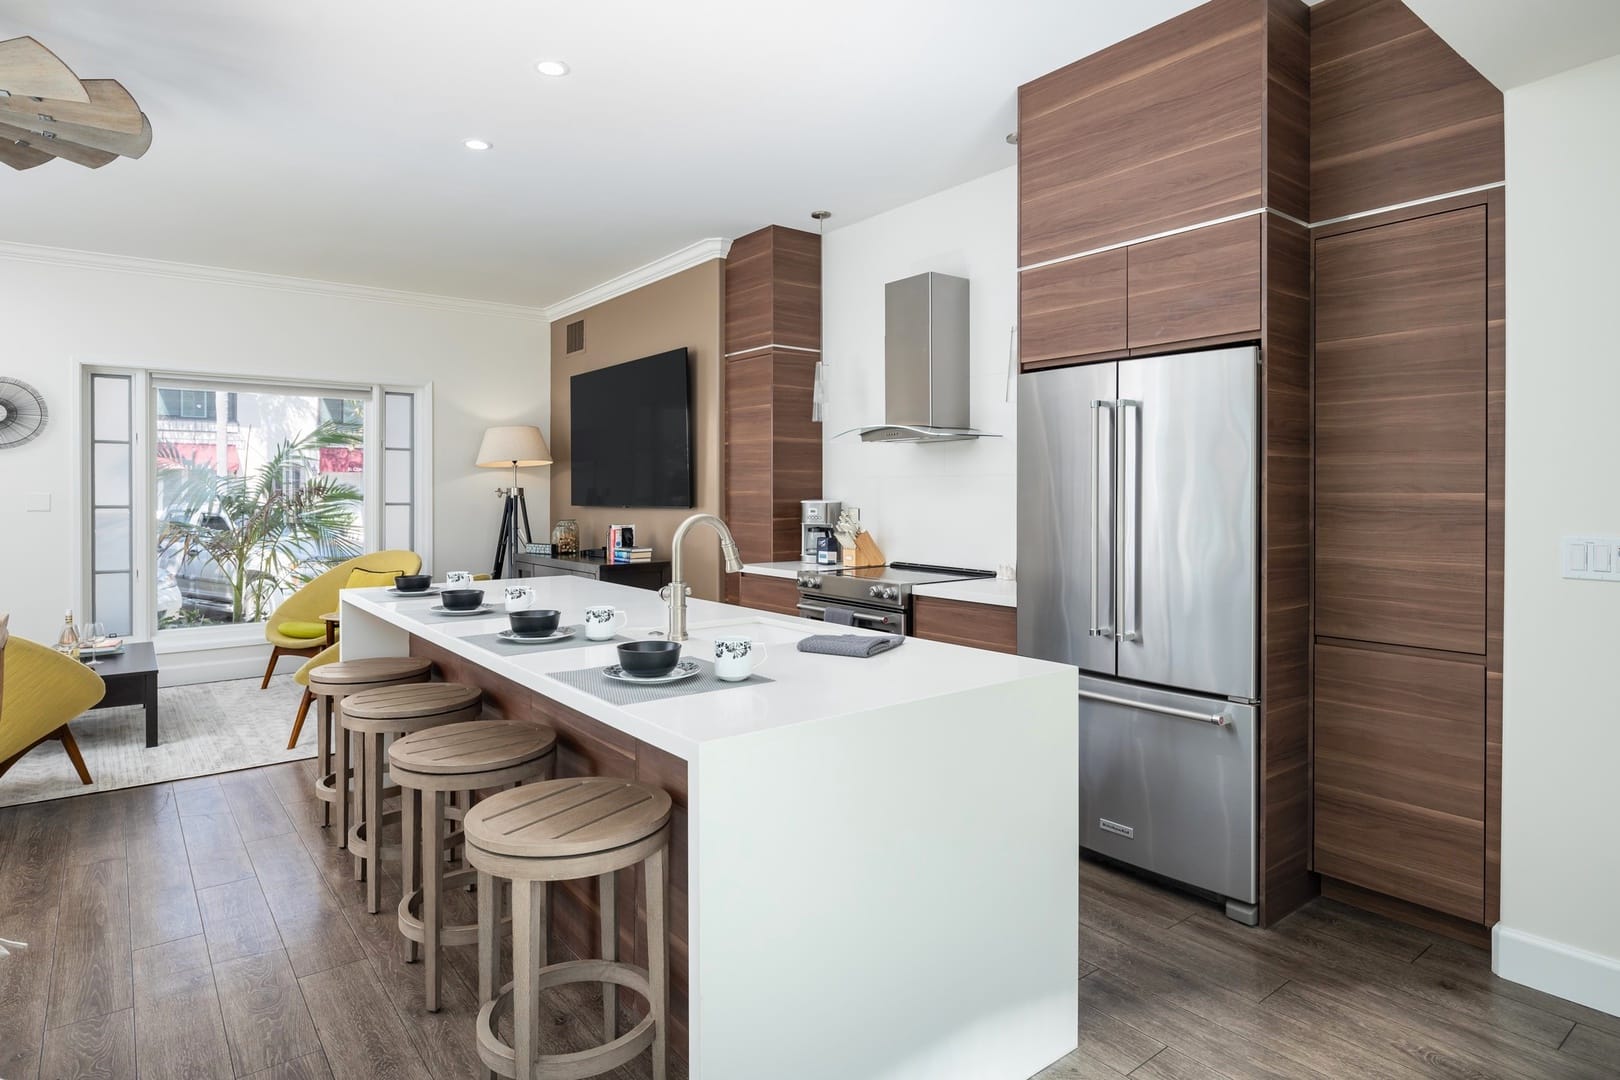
point(413, 582)
point(649, 657)
point(462, 599)
point(535, 623)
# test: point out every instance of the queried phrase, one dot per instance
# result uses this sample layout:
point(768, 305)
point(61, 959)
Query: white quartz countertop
point(780, 569)
point(973, 591)
point(804, 686)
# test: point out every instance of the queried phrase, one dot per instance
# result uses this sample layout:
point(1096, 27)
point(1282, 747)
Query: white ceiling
point(1513, 42)
point(322, 138)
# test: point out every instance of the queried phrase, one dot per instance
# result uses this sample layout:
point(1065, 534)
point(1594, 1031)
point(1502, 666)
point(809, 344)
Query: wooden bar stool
point(329, 685)
point(372, 716)
point(561, 830)
point(455, 759)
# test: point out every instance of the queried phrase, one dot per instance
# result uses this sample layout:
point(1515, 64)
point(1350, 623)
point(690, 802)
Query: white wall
point(950, 503)
point(488, 366)
point(1560, 928)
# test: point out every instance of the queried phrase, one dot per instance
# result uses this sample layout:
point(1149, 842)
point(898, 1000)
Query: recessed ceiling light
point(478, 144)
point(554, 68)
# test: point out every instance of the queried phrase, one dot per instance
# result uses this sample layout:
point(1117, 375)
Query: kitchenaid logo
point(1116, 828)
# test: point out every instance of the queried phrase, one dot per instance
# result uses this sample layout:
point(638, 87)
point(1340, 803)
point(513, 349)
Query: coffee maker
point(817, 518)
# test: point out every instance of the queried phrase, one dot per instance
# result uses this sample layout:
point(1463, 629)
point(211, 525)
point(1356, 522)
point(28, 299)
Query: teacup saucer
point(685, 669)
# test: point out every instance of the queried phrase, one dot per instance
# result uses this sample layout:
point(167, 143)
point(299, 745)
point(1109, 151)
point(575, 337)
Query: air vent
point(576, 336)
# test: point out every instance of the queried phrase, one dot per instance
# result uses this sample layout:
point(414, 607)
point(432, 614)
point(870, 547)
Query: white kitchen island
point(881, 854)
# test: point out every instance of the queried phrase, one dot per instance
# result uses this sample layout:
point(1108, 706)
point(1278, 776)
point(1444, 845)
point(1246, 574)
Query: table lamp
point(517, 446)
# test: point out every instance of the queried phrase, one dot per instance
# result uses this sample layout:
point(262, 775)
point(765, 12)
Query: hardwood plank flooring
point(141, 966)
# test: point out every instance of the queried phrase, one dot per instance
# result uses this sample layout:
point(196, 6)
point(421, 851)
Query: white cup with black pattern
point(601, 623)
point(736, 656)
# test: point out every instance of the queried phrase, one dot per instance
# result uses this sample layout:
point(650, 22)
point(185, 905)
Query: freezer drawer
point(1165, 788)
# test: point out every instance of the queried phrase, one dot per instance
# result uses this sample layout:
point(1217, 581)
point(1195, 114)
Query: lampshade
point(521, 445)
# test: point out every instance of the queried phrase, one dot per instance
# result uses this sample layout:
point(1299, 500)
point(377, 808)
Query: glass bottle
point(67, 642)
point(565, 537)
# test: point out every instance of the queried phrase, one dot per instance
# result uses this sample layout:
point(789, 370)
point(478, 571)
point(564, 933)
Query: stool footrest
point(410, 915)
point(499, 1056)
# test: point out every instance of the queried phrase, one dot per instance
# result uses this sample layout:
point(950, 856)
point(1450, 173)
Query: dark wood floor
point(208, 929)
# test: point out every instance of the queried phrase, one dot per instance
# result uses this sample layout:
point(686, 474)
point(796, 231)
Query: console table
point(653, 574)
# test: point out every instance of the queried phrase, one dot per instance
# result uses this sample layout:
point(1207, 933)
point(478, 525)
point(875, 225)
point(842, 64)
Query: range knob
point(875, 592)
point(809, 580)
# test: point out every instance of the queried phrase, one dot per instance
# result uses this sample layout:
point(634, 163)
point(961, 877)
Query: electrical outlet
point(1590, 558)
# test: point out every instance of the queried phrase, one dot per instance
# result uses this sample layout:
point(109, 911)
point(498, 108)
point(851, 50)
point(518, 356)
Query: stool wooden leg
point(341, 767)
point(607, 896)
point(432, 890)
point(657, 870)
point(323, 752)
point(410, 844)
point(528, 948)
point(489, 944)
point(374, 823)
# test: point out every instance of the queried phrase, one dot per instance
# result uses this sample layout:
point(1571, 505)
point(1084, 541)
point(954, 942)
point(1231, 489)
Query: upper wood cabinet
point(1401, 410)
point(1400, 776)
point(1197, 119)
point(1395, 114)
point(1199, 284)
point(1073, 308)
point(1160, 131)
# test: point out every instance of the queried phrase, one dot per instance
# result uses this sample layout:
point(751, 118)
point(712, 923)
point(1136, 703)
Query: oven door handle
point(857, 615)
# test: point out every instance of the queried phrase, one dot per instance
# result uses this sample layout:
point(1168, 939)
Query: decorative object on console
point(519, 446)
point(565, 537)
point(22, 411)
point(48, 112)
point(621, 536)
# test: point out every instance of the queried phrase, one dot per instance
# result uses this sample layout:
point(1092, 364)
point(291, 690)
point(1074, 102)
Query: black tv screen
point(632, 433)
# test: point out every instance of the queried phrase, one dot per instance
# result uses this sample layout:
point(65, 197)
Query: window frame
point(143, 424)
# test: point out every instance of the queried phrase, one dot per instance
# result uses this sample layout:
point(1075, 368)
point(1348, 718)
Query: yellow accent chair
point(328, 655)
point(41, 691)
point(295, 627)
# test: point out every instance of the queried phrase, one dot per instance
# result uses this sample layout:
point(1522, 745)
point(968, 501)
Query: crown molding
point(130, 264)
point(695, 254)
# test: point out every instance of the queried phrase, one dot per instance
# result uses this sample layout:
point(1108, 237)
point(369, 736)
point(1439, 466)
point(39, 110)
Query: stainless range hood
point(925, 362)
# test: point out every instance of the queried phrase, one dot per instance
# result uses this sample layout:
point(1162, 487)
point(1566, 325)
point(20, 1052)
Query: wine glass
point(94, 634)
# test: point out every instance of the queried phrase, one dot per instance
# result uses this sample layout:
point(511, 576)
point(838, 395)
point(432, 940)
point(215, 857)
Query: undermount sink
point(769, 631)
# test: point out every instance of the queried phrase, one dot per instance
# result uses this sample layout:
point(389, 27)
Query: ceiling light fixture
point(478, 144)
point(556, 69)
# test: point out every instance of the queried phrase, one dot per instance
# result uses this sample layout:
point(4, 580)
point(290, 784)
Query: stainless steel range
point(874, 597)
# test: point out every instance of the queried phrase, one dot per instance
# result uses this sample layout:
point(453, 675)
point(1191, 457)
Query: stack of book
point(632, 554)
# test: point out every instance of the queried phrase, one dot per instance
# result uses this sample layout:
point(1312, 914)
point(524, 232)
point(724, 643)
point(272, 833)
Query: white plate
point(97, 654)
point(431, 590)
point(684, 669)
point(481, 609)
point(562, 633)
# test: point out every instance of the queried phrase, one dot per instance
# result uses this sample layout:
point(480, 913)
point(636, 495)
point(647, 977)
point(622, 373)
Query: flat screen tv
point(632, 433)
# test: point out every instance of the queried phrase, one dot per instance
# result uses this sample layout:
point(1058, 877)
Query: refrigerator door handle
point(1128, 488)
point(1218, 719)
point(1098, 629)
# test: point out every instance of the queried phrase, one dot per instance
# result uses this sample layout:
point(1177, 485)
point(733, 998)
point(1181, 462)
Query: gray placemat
point(494, 644)
point(592, 681)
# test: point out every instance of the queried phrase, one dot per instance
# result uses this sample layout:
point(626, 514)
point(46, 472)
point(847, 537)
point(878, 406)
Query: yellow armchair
point(42, 691)
point(295, 627)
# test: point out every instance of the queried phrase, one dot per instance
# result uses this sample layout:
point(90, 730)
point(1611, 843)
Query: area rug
point(203, 729)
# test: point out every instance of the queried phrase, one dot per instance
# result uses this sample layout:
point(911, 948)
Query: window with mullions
point(178, 404)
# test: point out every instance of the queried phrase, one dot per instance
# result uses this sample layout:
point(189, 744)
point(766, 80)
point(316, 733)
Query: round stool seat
point(410, 707)
point(560, 819)
point(339, 677)
point(478, 746)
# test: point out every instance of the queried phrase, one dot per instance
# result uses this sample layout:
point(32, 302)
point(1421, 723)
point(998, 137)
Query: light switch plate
point(1590, 558)
point(38, 502)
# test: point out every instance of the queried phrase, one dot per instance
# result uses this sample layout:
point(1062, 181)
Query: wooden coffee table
point(131, 679)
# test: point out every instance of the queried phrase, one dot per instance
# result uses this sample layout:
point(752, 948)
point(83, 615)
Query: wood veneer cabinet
point(780, 595)
point(772, 344)
point(1185, 124)
point(1409, 431)
point(961, 622)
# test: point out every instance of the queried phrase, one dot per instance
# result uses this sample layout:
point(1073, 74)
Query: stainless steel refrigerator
point(1138, 562)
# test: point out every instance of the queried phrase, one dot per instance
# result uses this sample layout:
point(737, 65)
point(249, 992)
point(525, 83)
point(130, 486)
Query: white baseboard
point(185, 667)
point(1552, 967)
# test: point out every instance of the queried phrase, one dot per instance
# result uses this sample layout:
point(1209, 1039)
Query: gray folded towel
point(850, 644)
point(837, 615)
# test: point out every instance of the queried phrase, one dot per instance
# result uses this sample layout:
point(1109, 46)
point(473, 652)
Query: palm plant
point(264, 530)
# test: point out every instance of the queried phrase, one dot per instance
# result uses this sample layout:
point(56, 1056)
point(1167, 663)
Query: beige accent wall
point(683, 309)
